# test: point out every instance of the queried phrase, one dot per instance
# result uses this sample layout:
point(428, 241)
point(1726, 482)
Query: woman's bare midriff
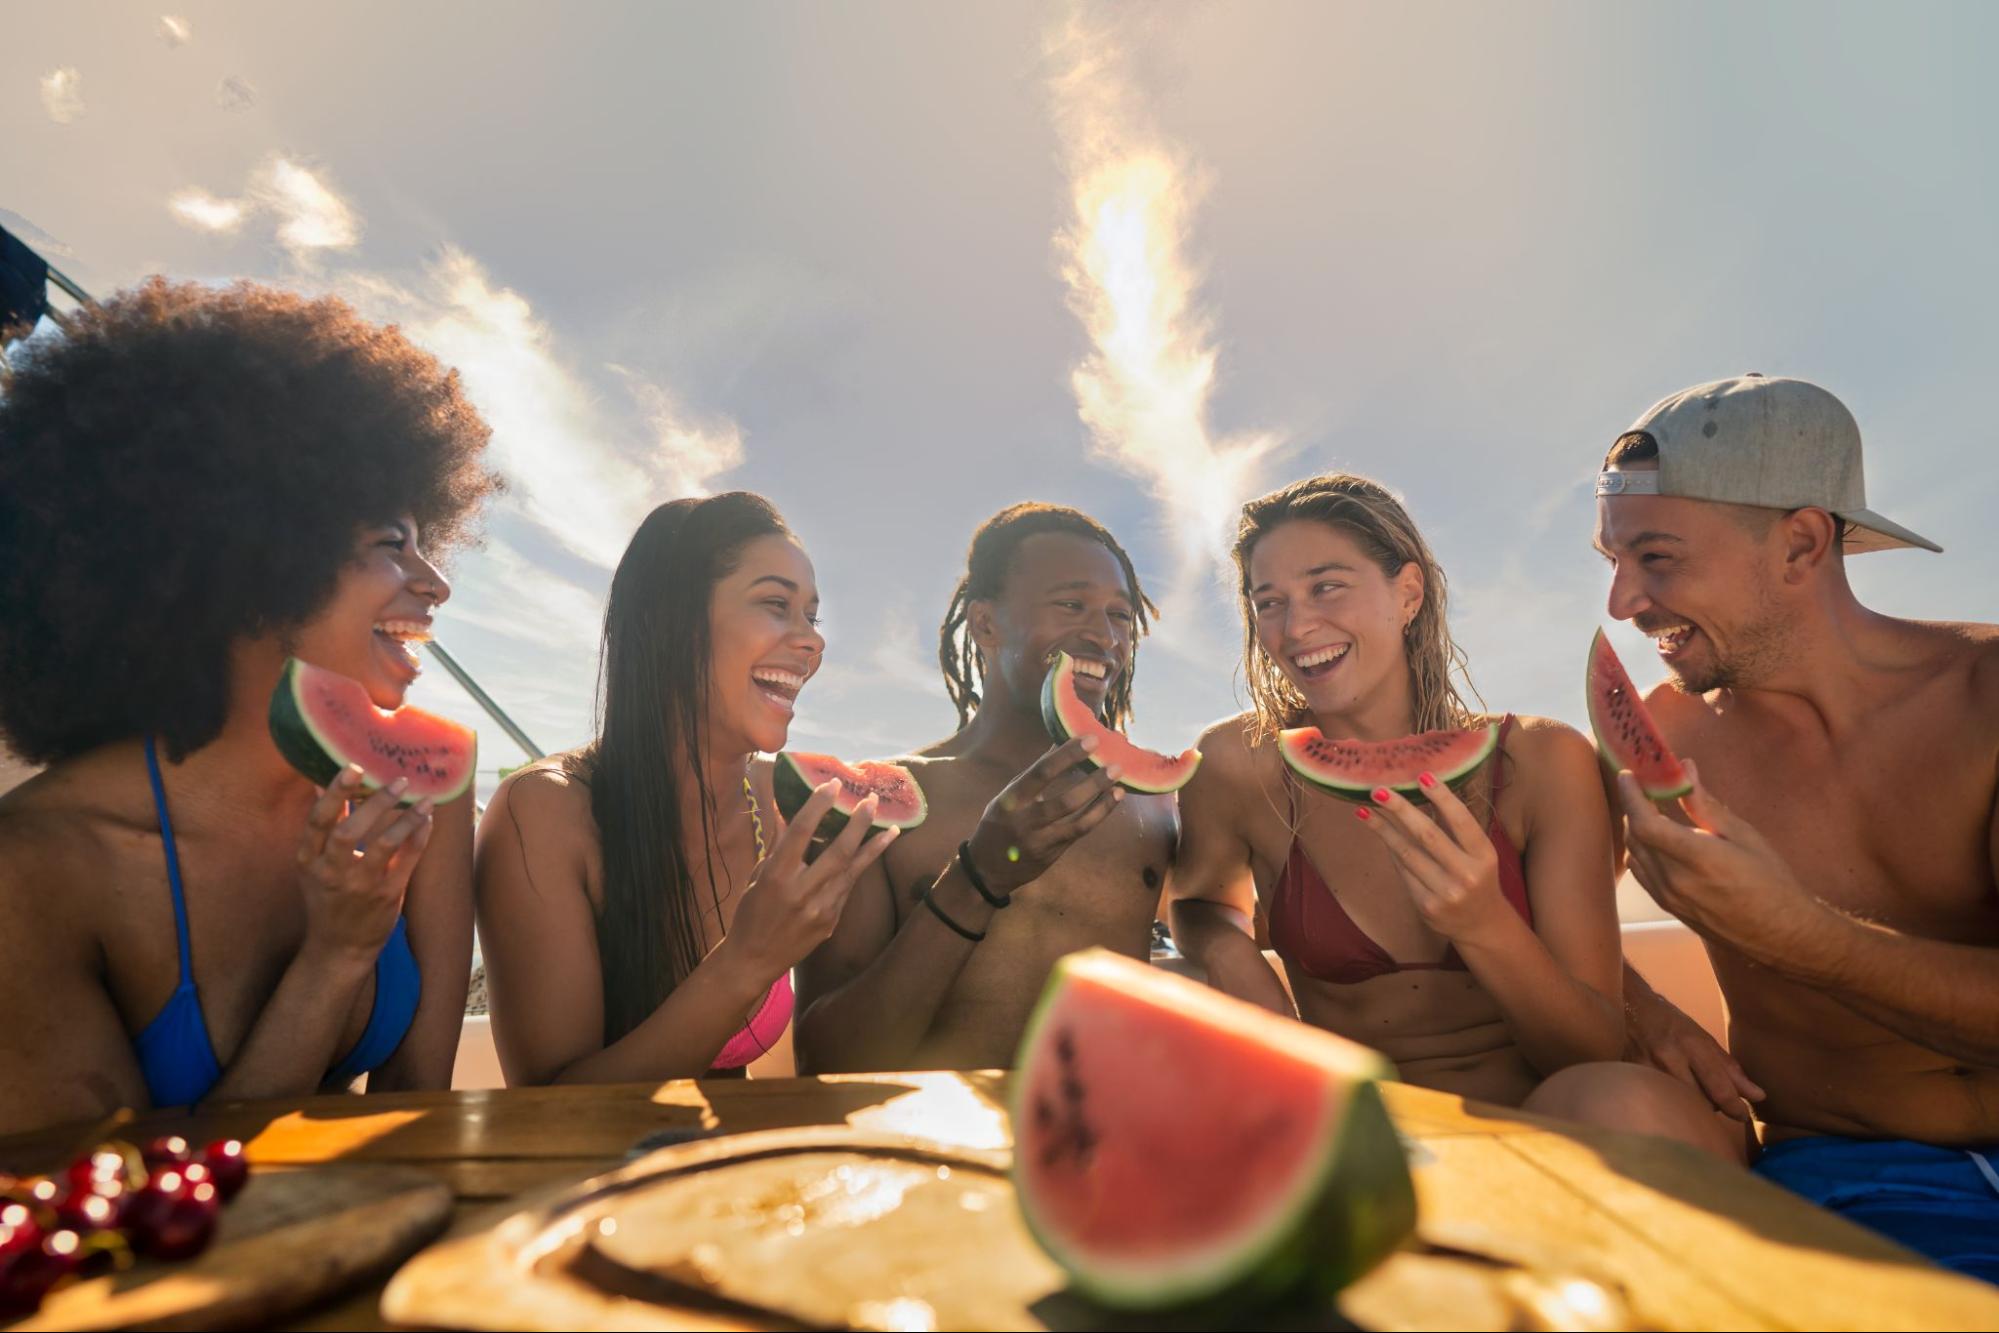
point(1439, 1027)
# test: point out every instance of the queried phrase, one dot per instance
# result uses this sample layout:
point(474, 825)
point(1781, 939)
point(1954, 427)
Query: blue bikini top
point(174, 1051)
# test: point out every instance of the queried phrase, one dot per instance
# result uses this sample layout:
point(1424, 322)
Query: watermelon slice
point(1626, 736)
point(322, 721)
point(1173, 1144)
point(899, 802)
point(1067, 717)
point(1352, 769)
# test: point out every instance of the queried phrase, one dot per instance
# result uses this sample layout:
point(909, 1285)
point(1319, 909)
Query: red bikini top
point(1311, 931)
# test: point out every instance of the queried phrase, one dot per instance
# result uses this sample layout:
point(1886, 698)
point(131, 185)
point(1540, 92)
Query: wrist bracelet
point(978, 880)
point(973, 935)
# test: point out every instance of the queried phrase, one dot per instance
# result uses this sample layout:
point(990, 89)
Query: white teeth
point(782, 679)
point(1673, 638)
point(1320, 656)
point(408, 631)
point(1090, 667)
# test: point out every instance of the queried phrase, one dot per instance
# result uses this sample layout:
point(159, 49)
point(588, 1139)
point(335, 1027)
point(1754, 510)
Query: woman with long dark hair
point(196, 484)
point(1478, 949)
point(641, 904)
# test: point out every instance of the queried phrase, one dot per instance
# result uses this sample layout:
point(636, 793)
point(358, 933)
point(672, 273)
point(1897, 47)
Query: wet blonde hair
point(1370, 514)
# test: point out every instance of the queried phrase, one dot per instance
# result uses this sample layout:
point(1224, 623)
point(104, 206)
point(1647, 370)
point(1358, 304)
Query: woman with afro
point(196, 484)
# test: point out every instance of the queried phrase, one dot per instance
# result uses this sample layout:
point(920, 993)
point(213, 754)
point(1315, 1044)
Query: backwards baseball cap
point(1754, 440)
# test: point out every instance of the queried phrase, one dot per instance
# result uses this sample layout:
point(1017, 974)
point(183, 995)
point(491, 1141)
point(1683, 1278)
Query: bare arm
point(1557, 982)
point(1725, 880)
point(437, 911)
point(64, 1054)
point(1214, 881)
point(872, 1002)
point(352, 899)
point(538, 932)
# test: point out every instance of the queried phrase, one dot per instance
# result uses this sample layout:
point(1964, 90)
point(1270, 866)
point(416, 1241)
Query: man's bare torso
point(1892, 824)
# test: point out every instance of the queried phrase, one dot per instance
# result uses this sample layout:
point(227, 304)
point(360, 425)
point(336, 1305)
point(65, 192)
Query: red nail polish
point(1362, 813)
point(1428, 779)
point(1381, 796)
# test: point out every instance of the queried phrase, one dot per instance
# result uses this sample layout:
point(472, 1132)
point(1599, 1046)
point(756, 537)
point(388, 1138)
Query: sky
point(898, 265)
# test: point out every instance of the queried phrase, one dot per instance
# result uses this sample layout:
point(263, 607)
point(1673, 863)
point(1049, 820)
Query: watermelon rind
point(1349, 1207)
point(1410, 787)
point(1601, 654)
point(1066, 716)
point(320, 757)
point(793, 787)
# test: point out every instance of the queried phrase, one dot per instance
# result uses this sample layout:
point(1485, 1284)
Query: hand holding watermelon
point(1447, 864)
point(790, 906)
point(1038, 815)
point(1721, 876)
point(355, 863)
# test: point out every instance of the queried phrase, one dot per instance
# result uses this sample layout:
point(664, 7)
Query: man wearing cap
point(1840, 848)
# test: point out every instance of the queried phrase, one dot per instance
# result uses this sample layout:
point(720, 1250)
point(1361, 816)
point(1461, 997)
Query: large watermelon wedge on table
point(1173, 1144)
point(899, 800)
point(1626, 736)
point(1352, 769)
point(1066, 716)
point(322, 721)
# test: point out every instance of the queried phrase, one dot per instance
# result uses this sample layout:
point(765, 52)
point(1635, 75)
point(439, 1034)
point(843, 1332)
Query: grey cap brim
point(1871, 532)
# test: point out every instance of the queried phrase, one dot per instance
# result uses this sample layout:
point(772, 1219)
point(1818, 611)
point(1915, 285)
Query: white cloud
point(1145, 386)
point(584, 474)
point(62, 94)
point(310, 214)
point(204, 212)
point(689, 453)
point(175, 30)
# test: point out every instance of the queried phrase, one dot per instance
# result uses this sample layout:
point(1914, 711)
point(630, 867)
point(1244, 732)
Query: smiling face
point(1703, 580)
point(764, 644)
point(1063, 592)
point(1332, 620)
point(380, 610)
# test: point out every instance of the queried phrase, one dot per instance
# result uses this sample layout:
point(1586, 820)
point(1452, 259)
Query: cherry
point(167, 1150)
point(98, 1207)
point(147, 1212)
point(188, 1224)
point(100, 1164)
point(26, 1275)
point(226, 1162)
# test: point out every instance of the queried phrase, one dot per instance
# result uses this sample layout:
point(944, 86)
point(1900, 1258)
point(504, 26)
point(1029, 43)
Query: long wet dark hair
point(652, 682)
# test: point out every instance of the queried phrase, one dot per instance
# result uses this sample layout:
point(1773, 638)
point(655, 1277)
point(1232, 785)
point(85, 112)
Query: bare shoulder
point(1236, 765)
point(1980, 649)
point(546, 798)
point(1547, 743)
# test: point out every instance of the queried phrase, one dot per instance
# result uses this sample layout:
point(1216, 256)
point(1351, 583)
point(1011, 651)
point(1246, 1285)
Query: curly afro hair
point(186, 466)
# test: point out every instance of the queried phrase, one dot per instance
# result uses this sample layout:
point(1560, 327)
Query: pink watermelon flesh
point(1625, 733)
point(322, 721)
point(899, 801)
point(1351, 769)
point(1067, 717)
point(1172, 1143)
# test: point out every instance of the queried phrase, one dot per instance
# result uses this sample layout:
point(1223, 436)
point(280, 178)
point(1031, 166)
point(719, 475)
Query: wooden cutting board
point(837, 1227)
point(289, 1239)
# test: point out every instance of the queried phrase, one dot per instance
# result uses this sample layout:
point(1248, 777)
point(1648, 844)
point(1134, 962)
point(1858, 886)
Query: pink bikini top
point(766, 1026)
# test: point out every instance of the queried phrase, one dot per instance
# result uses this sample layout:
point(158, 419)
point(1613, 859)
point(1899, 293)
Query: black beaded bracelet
point(978, 880)
point(973, 935)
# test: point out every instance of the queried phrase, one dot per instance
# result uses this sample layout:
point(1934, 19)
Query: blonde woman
point(1474, 942)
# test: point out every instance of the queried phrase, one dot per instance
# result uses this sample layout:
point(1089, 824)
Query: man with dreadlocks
point(946, 941)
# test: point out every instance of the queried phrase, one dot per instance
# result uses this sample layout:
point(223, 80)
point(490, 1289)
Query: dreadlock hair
point(986, 566)
point(1369, 513)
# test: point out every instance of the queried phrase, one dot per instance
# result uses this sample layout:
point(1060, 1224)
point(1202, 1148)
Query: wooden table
point(1692, 1242)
